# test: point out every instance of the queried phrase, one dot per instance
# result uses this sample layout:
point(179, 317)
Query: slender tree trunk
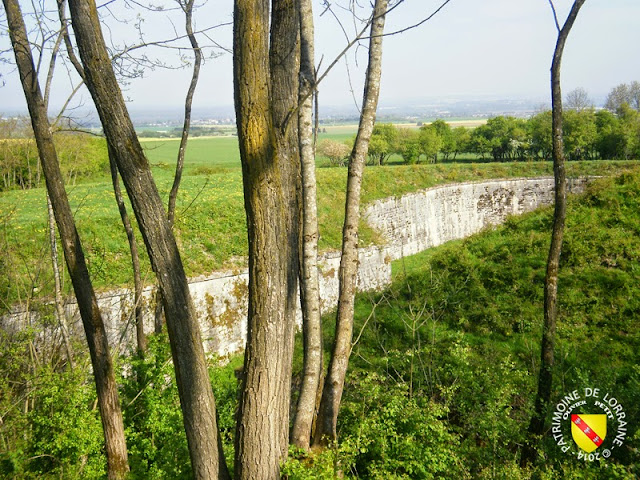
point(545, 379)
point(196, 397)
point(62, 318)
point(326, 428)
point(141, 338)
point(266, 94)
point(309, 284)
point(110, 413)
point(187, 7)
point(197, 53)
point(158, 312)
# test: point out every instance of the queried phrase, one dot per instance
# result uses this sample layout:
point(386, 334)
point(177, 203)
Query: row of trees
point(612, 133)
point(81, 155)
point(588, 135)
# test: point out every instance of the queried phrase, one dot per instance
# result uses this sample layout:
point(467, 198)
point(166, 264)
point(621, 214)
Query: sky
point(470, 49)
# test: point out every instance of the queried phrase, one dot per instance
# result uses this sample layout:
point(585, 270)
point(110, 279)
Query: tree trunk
point(326, 428)
point(266, 93)
point(62, 318)
point(141, 338)
point(196, 397)
point(110, 413)
point(197, 53)
point(309, 284)
point(545, 379)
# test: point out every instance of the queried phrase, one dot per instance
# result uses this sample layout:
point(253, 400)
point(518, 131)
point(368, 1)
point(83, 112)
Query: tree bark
point(265, 91)
point(108, 402)
point(309, 284)
point(545, 379)
point(196, 396)
point(326, 428)
point(62, 318)
point(141, 338)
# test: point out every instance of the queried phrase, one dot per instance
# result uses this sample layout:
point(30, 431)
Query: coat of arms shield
point(588, 430)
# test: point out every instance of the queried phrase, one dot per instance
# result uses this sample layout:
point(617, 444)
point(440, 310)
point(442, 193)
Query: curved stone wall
point(411, 224)
point(414, 222)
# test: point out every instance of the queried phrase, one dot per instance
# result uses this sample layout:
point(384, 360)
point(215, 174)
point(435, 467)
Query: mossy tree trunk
point(101, 361)
point(545, 378)
point(266, 64)
point(194, 388)
point(326, 427)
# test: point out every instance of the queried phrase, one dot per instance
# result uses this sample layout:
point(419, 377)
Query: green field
point(210, 225)
point(202, 153)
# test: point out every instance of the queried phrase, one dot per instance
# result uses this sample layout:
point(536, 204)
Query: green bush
point(156, 439)
point(50, 427)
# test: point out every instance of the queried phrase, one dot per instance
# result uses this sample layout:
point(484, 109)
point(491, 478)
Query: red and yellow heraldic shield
point(588, 430)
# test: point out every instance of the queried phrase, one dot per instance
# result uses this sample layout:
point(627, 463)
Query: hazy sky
point(498, 48)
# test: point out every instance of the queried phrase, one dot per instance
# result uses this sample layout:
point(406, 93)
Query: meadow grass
point(210, 226)
point(202, 152)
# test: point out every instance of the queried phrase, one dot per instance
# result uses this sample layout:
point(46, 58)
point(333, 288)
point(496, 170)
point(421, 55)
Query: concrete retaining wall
point(411, 224)
point(414, 222)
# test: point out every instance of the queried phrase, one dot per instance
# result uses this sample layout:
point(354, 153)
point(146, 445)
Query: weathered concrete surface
point(220, 300)
point(411, 224)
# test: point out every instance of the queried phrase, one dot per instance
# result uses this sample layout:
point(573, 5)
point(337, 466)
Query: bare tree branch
point(555, 15)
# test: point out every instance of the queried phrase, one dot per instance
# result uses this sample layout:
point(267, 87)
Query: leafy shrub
point(395, 435)
point(156, 439)
point(50, 427)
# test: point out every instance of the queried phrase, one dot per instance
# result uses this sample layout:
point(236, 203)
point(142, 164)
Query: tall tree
point(578, 99)
point(107, 392)
point(326, 428)
point(545, 378)
point(309, 283)
point(196, 397)
point(266, 65)
point(141, 338)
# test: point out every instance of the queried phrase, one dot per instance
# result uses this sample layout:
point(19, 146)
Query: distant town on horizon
point(421, 109)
